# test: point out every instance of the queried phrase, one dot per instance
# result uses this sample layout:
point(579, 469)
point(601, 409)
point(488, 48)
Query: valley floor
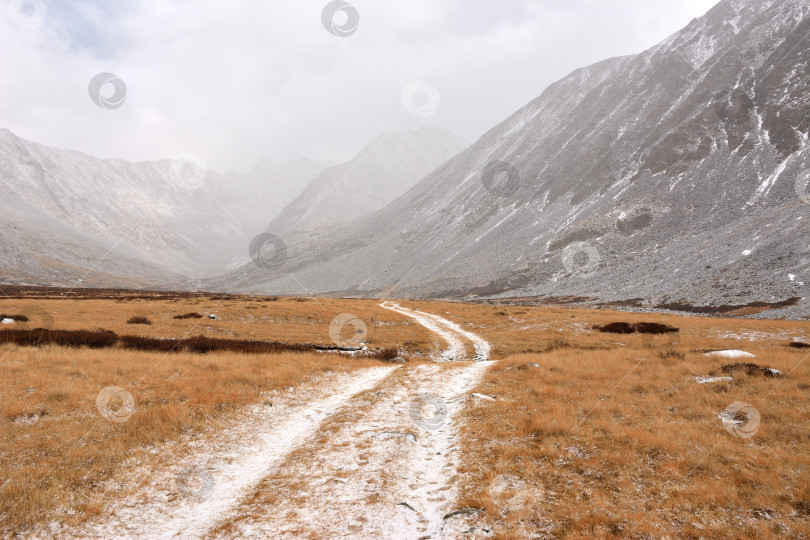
point(507, 422)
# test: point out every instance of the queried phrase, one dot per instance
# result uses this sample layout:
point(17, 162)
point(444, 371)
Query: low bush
point(640, 327)
point(137, 319)
point(189, 316)
point(17, 318)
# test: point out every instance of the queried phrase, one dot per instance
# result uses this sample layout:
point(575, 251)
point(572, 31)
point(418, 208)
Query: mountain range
point(113, 223)
point(670, 178)
point(666, 178)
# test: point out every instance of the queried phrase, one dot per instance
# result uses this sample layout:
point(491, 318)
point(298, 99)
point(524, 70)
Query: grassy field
point(591, 435)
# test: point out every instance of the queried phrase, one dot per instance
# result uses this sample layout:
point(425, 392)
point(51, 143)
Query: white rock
point(8, 321)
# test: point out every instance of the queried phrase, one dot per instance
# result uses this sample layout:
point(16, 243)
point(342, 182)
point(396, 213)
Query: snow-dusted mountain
point(382, 171)
point(172, 214)
point(669, 176)
point(270, 186)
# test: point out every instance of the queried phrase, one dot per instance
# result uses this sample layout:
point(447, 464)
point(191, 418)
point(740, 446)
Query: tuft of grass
point(189, 316)
point(138, 319)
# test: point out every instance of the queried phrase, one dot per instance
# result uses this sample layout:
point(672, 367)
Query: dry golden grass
point(293, 320)
point(527, 329)
point(56, 448)
point(625, 443)
point(616, 438)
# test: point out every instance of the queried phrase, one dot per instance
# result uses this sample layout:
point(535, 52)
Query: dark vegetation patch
point(799, 345)
point(559, 343)
point(17, 318)
point(728, 308)
point(99, 339)
point(640, 327)
point(88, 293)
point(750, 369)
point(189, 316)
point(138, 319)
point(617, 328)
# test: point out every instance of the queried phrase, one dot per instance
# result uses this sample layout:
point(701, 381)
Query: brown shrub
point(386, 355)
point(189, 316)
point(138, 319)
point(640, 327)
point(617, 328)
point(17, 318)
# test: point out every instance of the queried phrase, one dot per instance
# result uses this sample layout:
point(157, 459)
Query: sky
point(234, 82)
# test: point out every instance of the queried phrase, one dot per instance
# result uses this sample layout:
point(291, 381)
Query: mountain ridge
point(633, 163)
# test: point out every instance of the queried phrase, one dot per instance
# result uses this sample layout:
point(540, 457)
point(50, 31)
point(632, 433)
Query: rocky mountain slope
point(669, 177)
point(174, 215)
point(377, 175)
point(36, 249)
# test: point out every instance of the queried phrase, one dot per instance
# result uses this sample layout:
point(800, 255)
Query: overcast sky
point(240, 80)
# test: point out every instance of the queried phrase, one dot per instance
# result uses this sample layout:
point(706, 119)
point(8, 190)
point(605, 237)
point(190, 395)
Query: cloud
point(238, 81)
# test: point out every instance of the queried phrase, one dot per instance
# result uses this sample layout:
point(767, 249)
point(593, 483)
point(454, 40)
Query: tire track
point(235, 462)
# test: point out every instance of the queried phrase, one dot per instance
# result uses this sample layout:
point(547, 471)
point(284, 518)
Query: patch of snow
point(8, 321)
point(731, 353)
point(449, 331)
point(705, 379)
point(747, 252)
